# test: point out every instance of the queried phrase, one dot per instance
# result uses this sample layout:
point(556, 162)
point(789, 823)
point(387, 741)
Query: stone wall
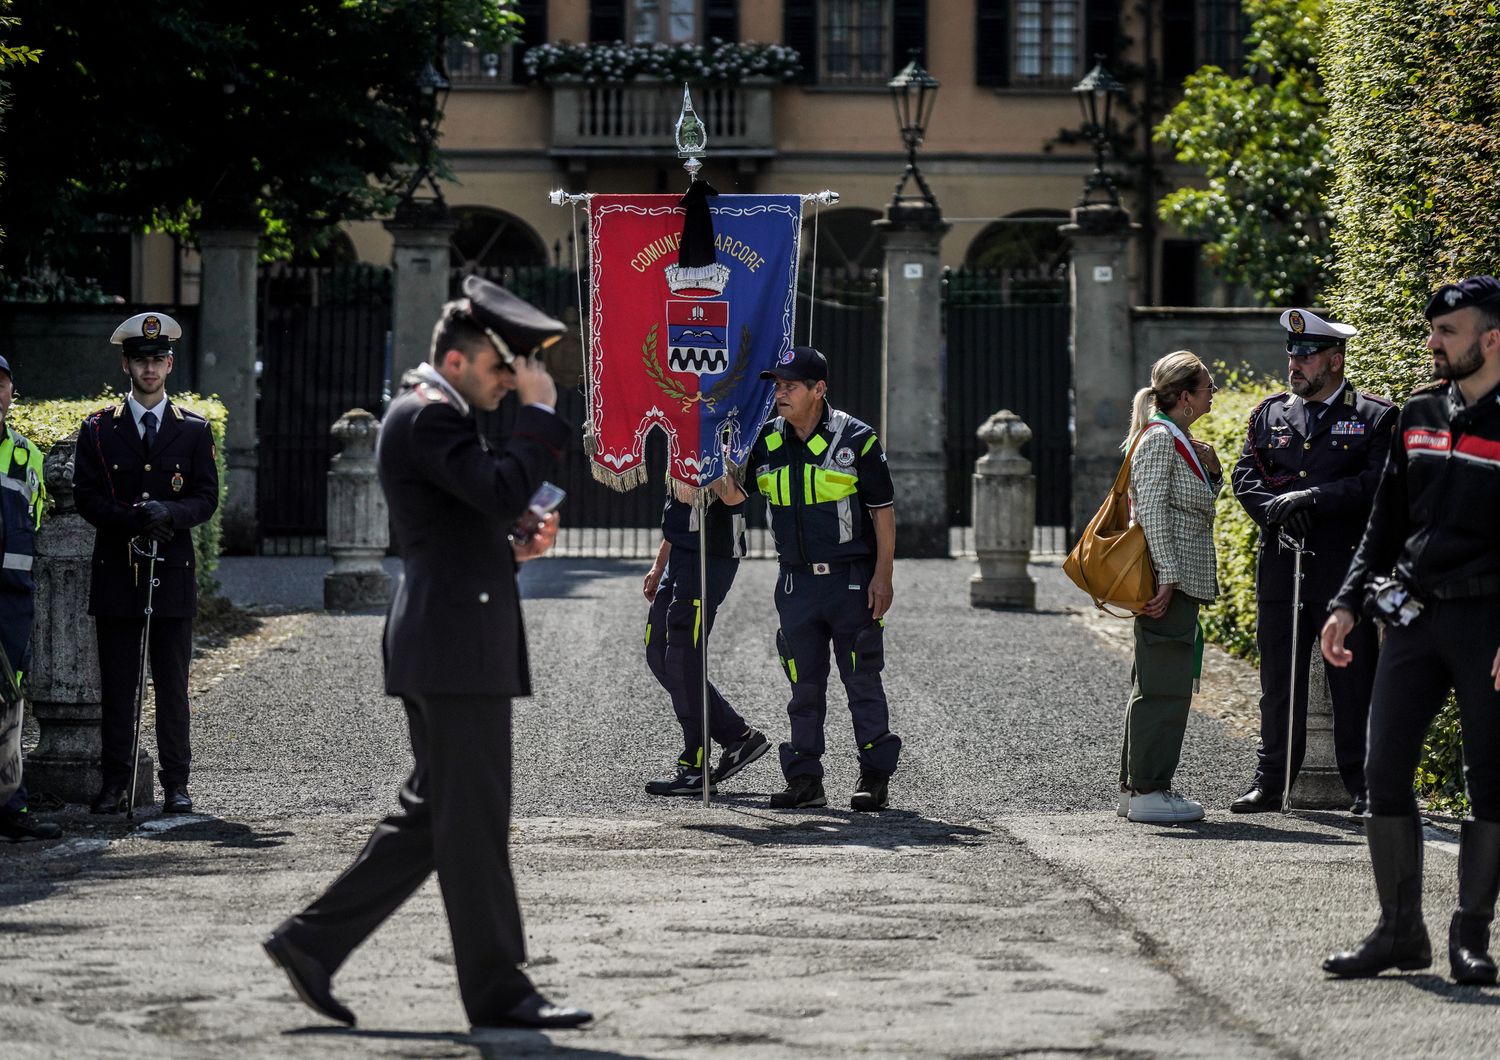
point(1238, 337)
point(63, 351)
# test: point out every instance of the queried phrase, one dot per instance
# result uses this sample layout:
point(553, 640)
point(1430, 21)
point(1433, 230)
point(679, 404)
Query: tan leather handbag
point(1111, 561)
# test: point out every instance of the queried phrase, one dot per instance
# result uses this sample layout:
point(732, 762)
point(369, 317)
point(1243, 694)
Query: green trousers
point(1160, 695)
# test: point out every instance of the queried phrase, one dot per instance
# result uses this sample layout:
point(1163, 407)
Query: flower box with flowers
point(716, 63)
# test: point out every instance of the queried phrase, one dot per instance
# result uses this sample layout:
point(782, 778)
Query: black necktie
point(148, 421)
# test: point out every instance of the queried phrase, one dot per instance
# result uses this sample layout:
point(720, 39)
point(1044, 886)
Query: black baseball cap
point(801, 364)
point(1476, 290)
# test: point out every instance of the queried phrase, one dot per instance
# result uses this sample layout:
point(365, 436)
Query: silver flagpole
point(703, 628)
point(1298, 551)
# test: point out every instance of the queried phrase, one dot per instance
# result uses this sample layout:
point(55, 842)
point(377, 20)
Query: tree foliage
point(1414, 117)
point(1259, 141)
point(189, 114)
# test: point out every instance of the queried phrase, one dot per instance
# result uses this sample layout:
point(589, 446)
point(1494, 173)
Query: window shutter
point(606, 20)
point(721, 18)
point(799, 29)
point(1179, 39)
point(908, 33)
point(533, 32)
point(1101, 33)
point(992, 42)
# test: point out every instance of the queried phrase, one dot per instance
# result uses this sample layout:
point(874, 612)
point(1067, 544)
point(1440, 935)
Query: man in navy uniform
point(21, 502)
point(144, 473)
point(682, 617)
point(455, 652)
point(1309, 466)
point(831, 499)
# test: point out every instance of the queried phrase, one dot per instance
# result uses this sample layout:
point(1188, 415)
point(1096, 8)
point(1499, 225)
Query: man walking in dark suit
point(144, 475)
point(455, 653)
point(1311, 461)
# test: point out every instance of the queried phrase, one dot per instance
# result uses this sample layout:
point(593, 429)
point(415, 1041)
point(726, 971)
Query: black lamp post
point(1096, 96)
point(432, 98)
point(913, 91)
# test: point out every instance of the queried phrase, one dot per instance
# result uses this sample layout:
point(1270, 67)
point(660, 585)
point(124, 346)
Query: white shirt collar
point(137, 410)
point(429, 374)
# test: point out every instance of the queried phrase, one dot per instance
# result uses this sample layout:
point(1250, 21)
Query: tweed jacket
point(1175, 508)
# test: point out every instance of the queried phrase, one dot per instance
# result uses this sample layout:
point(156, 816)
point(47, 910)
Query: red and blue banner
point(682, 349)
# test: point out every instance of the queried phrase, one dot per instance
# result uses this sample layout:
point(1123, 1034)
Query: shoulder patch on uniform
point(427, 393)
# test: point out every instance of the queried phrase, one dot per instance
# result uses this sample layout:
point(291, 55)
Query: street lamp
point(1096, 95)
point(432, 98)
point(913, 91)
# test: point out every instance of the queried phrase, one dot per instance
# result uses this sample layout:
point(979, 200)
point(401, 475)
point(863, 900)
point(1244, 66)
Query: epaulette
point(427, 393)
point(1377, 399)
point(1274, 397)
point(187, 414)
point(104, 411)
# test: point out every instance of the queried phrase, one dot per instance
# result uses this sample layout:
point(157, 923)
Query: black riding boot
point(1400, 939)
point(1478, 884)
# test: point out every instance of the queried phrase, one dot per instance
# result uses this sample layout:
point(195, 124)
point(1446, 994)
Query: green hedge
point(48, 422)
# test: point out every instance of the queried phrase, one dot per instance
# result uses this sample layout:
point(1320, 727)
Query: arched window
point(490, 238)
point(1027, 239)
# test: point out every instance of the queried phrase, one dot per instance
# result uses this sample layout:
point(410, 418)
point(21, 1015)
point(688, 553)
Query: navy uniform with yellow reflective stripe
point(820, 493)
point(144, 468)
point(22, 497)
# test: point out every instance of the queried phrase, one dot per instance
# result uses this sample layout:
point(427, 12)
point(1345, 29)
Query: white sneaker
point(1164, 807)
point(1123, 809)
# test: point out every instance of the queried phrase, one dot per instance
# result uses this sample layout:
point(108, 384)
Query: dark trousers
point(171, 650)
point(681, 619)
point(455, 820)
point(1450, 645)
point(15, 639)
point(1349, 688)
point(816, 610)
point(1161, 694)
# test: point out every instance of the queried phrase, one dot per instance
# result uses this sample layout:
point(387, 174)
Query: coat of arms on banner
point(679, 345)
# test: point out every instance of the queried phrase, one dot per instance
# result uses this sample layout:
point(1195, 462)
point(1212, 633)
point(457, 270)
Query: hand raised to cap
point(534, 385)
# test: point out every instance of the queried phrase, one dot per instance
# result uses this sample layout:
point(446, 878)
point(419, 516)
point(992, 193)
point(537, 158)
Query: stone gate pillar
point(1103, 351)
point(419, 281)
point(64, 679)
point(1318, 785)
point(914, 389)
point(227, 339)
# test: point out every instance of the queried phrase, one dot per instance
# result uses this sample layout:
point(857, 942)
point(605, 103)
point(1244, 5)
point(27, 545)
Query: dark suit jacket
point(454, 626)
point(1340, 459)
point(112, 474)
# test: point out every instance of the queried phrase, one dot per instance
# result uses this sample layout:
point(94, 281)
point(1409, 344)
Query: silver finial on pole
point(691, 136)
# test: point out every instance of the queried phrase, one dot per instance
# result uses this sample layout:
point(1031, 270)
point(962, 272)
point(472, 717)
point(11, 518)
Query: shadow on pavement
point(822, 826)
point(560, 579)
point(493, 1043)
point(213, 830)
point(1452, 993)
point(1257, 833)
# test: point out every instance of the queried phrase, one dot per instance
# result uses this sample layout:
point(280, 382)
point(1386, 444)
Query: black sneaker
point(871, 795)
point(686, 781)
point(740, 754)
point(19, 827)
point(801, 791)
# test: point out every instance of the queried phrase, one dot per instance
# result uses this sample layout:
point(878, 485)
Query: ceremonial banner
point(680, 345)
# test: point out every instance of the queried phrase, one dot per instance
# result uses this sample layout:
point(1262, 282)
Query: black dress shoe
point(1361, 806)
point(312, 983)
point(536, 1011)
point(20, 827)
point(177, 800)
point(111, 799)
point(1256, 800)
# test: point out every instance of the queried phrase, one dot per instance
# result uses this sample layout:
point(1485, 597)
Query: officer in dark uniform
point(682, 617)
point(455, 652)
point(21, 501)
point(1436, 527)
point(824, 475)
point(1310, 463)
point(144, 472)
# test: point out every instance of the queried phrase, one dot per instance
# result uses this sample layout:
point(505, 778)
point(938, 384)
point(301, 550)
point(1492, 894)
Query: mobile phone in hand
point(544, 500)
